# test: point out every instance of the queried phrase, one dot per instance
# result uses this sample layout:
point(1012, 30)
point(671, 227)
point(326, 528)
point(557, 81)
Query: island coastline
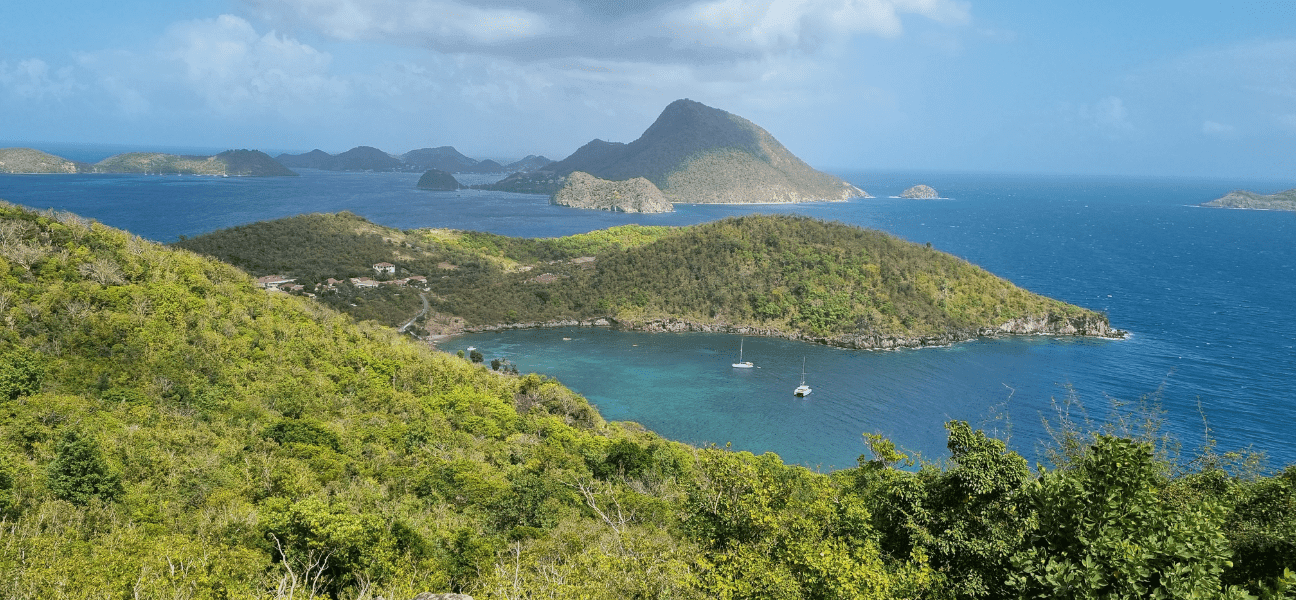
point(1024, 327)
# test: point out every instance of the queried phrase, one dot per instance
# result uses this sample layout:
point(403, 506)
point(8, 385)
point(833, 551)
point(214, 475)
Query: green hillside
point(783, 275)
point(168, 430)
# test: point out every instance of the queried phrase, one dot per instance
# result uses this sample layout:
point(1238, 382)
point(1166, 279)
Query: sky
point(1148, 88)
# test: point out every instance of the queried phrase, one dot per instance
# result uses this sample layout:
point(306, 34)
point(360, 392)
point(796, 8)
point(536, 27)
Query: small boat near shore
point(802, 390)
point(741, 364)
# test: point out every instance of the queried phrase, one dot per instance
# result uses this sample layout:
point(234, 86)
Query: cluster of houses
point(279, 283)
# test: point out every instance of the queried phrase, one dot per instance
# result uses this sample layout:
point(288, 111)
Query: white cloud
point(33, 79)
point(659, 31)
point(1218, 130)
point(782, 25)
point(235, 69)
point(412, 21)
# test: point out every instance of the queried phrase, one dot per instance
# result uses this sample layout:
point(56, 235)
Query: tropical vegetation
point(167, 429)
point(782, 273)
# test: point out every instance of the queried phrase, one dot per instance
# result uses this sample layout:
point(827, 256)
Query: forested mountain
point(698, 154)
point(781, 275)
point(168, 430)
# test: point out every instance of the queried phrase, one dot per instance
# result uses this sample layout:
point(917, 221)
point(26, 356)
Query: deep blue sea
point(1208, 296)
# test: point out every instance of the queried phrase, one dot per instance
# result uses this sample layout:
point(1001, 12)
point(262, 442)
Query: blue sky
point(1097, 87)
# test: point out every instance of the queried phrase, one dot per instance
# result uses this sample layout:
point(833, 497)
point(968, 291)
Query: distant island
point(438, 180)
point(694, 153)
point(1244, 199)
point(920, 192)
point(231, 163)
point(754, 275)
point(442, 158)
point(29, 160)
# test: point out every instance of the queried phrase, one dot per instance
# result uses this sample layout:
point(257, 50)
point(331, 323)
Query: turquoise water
point(1207, 294)
point(683, 387)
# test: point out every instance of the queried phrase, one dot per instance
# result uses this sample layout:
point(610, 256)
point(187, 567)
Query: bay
point(1206, 294)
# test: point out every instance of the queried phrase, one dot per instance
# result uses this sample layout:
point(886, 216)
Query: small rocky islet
point(438, 181)
point(920, 192)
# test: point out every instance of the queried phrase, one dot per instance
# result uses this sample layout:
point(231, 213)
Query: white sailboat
point(741, 364)
point(802, 390)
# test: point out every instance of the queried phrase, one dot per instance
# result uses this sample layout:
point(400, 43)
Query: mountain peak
point(699, 154)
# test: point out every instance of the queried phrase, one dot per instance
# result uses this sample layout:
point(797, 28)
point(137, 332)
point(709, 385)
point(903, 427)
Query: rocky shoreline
point(1050, 325)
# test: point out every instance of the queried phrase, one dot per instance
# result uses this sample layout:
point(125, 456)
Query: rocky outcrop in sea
point(637, 195)
point(438, 181)
point(920, 192)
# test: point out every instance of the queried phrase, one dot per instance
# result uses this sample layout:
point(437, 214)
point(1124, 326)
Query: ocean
point(1207, 296)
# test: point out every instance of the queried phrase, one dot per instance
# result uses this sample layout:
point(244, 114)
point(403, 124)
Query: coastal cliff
point(637, 195)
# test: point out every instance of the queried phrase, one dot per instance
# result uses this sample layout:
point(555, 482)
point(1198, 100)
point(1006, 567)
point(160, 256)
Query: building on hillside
point(273, 282)
point(364, 282)
point(384, 267)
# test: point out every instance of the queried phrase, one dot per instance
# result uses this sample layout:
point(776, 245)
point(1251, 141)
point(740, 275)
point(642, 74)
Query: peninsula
point(694, 153)
point(781, 276)
point(1251, 200)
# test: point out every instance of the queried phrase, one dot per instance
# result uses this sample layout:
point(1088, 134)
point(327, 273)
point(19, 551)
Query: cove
point(681, 385)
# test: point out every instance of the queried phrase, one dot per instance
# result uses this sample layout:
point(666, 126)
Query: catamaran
point(802, 390)
point(741, 364)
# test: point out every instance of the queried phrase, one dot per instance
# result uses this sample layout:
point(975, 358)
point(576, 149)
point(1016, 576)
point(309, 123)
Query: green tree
point(967, 518)
point(79, 472)
point(476, 356)
point(21, 373)
point(1106, 532)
